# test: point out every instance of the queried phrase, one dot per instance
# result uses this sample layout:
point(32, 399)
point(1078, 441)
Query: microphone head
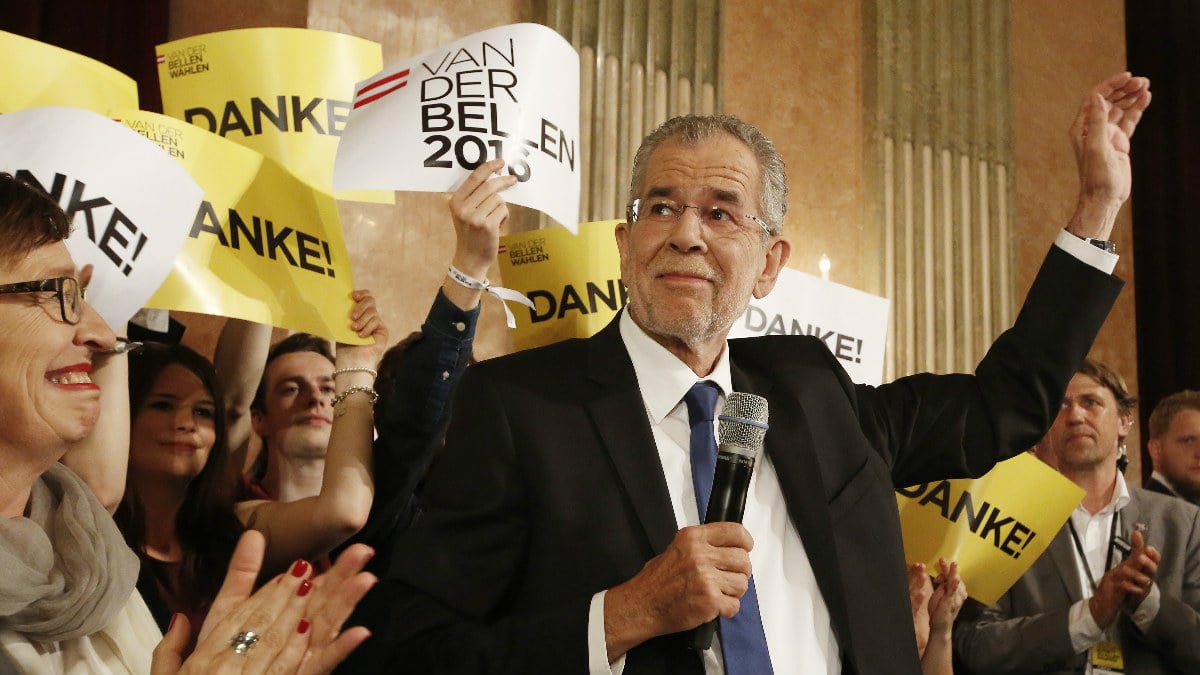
point(743, 421)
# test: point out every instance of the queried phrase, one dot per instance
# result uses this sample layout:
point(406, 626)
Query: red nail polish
point(300, 568)
point(303, 627)
point(305, 587)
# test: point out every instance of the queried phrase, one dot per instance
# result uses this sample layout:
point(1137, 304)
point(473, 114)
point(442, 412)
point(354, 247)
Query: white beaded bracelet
point(374, 373)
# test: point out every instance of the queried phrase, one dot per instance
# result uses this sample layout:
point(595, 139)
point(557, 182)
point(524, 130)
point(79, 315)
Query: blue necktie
point(742, 637)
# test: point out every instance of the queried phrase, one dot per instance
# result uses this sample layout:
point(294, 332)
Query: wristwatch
point(1102, 244)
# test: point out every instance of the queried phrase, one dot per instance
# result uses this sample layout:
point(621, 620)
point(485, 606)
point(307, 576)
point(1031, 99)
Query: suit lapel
point(1131, 514)
point(1061, 552)
point(789, 444)
point(619, 415)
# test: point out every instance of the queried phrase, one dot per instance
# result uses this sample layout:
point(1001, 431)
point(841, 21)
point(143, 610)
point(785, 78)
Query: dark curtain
point(119, 33)
point(1163, 42)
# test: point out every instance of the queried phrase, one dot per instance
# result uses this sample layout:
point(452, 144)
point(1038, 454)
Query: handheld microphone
point(741, 427)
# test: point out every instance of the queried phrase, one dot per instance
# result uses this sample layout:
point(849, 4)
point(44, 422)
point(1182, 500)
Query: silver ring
point(242, 642)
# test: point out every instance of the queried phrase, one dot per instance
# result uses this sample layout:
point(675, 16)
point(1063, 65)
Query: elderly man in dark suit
point(561, 531)
point(1118, 589)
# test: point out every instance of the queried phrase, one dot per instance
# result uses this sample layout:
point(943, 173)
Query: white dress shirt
point(795, 619)
point(1094, 531)
point(794, 615)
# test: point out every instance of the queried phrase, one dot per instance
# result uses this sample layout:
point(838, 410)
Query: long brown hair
point(205, 525)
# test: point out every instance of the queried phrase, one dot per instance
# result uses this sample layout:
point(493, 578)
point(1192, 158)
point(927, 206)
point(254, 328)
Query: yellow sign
point(264, 246)
point(994, 527)
point(37, 74)
point(283, 92)
point(574, 281)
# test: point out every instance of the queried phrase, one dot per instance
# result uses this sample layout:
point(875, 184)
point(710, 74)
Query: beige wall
point(798, 72)
point(1059, 50)
point(795, 68)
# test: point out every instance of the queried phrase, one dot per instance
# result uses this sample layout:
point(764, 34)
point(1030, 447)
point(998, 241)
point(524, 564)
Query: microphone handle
point(731, 484)
point(727, 503)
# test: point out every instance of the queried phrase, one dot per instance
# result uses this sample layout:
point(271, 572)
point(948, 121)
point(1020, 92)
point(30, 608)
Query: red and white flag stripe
point(360, 97)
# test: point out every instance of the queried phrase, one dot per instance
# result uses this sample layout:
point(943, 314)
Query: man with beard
point(1118, 588)
point(1175, 446)
point(561, 526)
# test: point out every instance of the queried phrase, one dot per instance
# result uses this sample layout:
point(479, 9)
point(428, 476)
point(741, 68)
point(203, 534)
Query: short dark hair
point(29, 218)
point(1111, 380)
point(297, 342)
point(1166, 410)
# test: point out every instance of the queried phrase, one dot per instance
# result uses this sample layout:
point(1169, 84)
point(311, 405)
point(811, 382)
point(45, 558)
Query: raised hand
point(1138, 570)
point(920, 588)
point(948, 597)
point(1107, 118)
point(289, 626)
point(479, 212)
point(366, 322)
point(1126, 584)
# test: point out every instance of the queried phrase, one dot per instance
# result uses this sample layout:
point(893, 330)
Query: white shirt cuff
point(1147, 611)
point(597, 646)
point(1100, 259)
point(1083, 629)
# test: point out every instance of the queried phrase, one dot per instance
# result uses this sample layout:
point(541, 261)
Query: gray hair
point(692, 129)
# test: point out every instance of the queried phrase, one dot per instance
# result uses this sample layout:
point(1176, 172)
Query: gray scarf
point(66, 571)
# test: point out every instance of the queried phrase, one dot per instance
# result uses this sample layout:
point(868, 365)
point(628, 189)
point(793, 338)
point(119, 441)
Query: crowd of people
point(302, 507)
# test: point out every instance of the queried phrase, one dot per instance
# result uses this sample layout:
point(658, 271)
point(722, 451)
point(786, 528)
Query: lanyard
point(1087, 566)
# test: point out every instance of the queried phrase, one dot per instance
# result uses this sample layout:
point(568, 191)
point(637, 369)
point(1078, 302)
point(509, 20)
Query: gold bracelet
point(339, 401)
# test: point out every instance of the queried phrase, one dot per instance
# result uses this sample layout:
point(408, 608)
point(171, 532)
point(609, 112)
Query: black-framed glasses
point(67, 289)
point(723, 219)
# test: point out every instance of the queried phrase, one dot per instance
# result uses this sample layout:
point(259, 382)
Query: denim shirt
point(409, 431)
point(410, 428)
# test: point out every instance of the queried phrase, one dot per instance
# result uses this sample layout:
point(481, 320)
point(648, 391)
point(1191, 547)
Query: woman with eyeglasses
point(67, 598)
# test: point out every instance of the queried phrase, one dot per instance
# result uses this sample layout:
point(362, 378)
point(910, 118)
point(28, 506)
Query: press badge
point(1107, 659)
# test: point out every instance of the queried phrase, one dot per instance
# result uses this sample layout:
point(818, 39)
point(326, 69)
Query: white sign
point(853, 324)
point(510, 92)
point(131, 204)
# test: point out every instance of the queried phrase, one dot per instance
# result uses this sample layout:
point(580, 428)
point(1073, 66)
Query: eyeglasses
point(70, 295)
point(724, 220)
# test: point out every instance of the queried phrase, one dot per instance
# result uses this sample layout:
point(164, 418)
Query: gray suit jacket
point(1026, 631)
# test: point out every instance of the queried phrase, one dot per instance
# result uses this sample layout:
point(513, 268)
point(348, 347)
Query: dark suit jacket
point(550, 488)
point(1026, 631)
point(1154, 485)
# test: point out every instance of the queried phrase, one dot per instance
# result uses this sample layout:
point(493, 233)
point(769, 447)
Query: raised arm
point(310, 527)
point(418, 380)
point(102, 459)
point(478, 211)
point(240, 357)
point(944, 605)
point(1100, 135)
